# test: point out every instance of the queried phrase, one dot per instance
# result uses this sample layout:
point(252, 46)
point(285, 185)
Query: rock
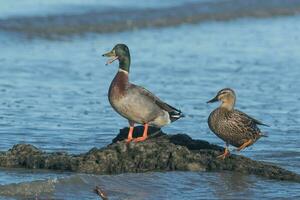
point(161, 152)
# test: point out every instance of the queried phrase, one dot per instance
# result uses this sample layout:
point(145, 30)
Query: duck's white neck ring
point(122, 70)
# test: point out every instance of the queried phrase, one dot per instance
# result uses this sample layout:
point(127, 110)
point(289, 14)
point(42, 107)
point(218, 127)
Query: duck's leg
point(145, 134)
point(225, 154)
point(243, 146)
point(131, 127)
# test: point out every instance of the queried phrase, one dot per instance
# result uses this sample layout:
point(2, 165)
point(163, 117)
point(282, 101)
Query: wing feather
point(155, 99)
point(247, 117)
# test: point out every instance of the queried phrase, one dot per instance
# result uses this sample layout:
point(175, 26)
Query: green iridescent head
point(119, 52)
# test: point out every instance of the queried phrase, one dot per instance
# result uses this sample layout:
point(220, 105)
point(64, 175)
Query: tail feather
point(263, 124)
point(263, 135)
point(175, 115)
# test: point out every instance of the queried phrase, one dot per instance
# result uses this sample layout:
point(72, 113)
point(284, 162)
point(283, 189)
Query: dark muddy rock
point(161, 152)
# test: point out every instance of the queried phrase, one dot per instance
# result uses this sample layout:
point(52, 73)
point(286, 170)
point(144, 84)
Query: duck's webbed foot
point(140, 139)
point(225, 154)
point(145, 135)
point(246, 144)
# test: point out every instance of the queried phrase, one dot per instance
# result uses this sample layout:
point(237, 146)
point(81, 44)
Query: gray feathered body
point(139, 105)
point(234, 126)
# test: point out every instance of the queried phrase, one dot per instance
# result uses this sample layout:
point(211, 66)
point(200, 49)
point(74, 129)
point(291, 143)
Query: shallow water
point(189, 185)
point(54, 19)
point(44, 8)
point(54, 96)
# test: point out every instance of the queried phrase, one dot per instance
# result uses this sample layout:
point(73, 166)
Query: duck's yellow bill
point(112, 55)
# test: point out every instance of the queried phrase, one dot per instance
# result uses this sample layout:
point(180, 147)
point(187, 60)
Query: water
point(43, 8)
point(108, 16)
point(161, 186)
point(54, 96)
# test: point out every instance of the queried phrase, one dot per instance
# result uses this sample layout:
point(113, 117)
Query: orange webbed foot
point(145, 134)
point(128, 140)
point(224, 155)
point(140, 139)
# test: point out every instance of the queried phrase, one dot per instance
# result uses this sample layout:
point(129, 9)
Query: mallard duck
point(134, 102)
point(231, 125)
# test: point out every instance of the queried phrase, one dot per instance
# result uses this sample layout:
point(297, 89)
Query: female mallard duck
point(134, 102)
point(231, 125)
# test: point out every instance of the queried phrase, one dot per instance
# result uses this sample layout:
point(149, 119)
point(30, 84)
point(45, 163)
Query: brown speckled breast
point(232, 126)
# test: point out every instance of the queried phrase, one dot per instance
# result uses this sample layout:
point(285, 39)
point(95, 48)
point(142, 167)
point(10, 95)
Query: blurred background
point(54, 84)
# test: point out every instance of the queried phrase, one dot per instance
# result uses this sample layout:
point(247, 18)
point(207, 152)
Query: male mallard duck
point(231, 125)
point(134, 102)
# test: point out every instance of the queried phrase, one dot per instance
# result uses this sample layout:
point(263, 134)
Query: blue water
point(51, 7)
point(54, 96)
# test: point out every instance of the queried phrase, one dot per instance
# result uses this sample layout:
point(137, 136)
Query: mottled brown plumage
point(231, 125)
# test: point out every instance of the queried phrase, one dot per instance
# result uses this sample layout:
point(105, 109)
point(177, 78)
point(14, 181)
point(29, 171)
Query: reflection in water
point(232, 185)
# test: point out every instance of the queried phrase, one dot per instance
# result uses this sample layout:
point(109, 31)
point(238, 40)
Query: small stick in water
point(101, 193)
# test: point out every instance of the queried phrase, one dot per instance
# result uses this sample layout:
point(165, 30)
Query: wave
point(189, 185)
point(122, 19)
point(29, 189)
point(43, 188)
point(53, 188)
